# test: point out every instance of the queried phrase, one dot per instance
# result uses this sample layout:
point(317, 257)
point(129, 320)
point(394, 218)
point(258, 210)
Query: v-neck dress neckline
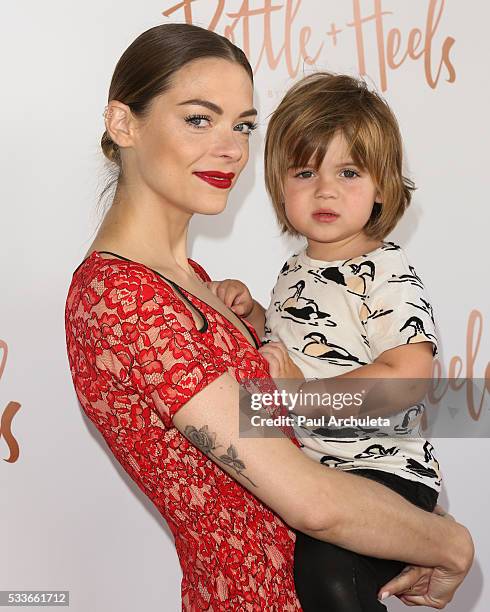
point(185, 294)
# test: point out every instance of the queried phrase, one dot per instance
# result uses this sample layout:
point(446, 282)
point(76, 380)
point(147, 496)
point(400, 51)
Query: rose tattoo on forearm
point(206, 442)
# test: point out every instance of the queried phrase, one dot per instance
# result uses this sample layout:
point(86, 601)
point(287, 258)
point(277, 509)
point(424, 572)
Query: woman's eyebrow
point(214, 107)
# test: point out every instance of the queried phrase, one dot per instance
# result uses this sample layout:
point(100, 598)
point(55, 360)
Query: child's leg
point(330, 578)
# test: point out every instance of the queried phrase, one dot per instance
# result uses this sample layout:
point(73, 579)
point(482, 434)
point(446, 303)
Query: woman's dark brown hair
point(146, 68)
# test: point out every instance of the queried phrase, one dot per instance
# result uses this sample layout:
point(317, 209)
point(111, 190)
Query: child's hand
point(234, 294)
point(280, 363)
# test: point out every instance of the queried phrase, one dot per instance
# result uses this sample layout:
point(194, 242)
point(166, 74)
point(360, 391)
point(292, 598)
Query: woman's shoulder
point(200, 270)
point(112, 265)
point(125, 287)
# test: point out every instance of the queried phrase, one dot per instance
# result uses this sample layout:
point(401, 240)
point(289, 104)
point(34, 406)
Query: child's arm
point(396, 380)
point(235, 294)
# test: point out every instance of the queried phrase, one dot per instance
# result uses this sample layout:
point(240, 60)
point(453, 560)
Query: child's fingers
point(220, 288)
point(228, 291)
point(274, 364)
point(240, 309)
point(213, 286)
point(243, 304)
point(233, 295)
point(269, 351)
point(278, 346)
point(272, 352)
point(282, 353)
point(222, 291)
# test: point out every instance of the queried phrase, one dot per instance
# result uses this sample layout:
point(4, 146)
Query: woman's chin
point(212, 208)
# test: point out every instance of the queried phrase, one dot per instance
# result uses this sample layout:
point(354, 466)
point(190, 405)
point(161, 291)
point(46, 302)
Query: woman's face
point(191, 147)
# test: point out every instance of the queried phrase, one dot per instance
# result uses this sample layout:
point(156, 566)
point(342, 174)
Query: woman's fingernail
point(384, 595)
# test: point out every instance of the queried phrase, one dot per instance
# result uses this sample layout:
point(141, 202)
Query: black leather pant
point(332, 579)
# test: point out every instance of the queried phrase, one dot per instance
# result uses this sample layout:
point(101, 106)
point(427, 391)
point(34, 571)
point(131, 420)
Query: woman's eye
point(304, 174)
point(247, 127)
point(349, 173)
point(199, 121)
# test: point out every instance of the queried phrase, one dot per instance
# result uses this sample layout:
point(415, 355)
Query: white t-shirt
point(340, 315)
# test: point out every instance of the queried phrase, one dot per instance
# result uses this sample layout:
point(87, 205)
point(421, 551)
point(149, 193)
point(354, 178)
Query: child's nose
point(326, 188)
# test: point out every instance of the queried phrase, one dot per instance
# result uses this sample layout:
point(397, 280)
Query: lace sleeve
point(130, 335)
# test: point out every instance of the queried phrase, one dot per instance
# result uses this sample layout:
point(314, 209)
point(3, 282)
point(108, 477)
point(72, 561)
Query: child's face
point(333, 203)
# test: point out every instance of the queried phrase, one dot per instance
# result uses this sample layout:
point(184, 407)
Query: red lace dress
point(136, 357)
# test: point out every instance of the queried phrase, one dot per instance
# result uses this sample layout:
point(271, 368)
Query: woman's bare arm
point(344, 509)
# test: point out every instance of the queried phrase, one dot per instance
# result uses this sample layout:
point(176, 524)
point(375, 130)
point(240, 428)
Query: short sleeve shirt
point(337, 316)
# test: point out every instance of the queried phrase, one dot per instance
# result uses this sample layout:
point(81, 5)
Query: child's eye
point(247, 127)
point(304, 174)
point(198, 121)
point(349, 173)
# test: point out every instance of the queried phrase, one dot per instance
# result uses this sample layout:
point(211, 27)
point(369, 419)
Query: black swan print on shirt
point(286, 269)
point(418, 332)
point(412, 278)
point(366, 314)
point(425, 307)
point(320, 348)
point(333, 462)
point(414, 467)
point(337, 434)
point(351, 275)
point(411, 420)
point(302, 309)
point(390, 246)
point(377, 451)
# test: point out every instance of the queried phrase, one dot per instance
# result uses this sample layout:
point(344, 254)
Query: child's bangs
point(367, 146)
point(310, 149)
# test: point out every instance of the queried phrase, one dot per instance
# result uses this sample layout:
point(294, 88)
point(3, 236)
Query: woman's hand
point(413, 580)
point(234, 294)
point(423, 586)
point(280, 363)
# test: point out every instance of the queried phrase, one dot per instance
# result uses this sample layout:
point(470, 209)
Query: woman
point(157, 359)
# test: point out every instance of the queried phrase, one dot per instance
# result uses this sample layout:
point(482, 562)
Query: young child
point(348, 306)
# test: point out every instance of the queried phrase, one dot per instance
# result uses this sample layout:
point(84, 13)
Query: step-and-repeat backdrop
point(70, 519)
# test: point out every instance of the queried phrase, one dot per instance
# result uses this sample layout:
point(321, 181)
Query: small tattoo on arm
point(206, 442)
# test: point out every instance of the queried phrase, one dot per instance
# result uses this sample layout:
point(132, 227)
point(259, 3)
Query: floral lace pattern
point(136, 357)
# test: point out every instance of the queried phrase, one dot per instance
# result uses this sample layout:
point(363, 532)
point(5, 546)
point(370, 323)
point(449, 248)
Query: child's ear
point(377, 198)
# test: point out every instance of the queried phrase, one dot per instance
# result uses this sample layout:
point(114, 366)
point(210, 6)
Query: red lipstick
point(222, 180)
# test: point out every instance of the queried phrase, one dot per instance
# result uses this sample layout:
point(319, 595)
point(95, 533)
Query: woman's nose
point(230, 145)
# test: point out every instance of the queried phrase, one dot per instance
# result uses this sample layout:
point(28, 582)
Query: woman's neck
point(149, 231)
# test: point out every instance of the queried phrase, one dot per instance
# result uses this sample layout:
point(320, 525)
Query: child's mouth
point(325, 216)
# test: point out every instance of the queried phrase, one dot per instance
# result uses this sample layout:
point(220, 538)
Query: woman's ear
point(119, 123)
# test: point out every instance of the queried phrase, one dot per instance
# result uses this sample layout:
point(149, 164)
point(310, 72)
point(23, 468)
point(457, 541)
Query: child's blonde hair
point(306, 120)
